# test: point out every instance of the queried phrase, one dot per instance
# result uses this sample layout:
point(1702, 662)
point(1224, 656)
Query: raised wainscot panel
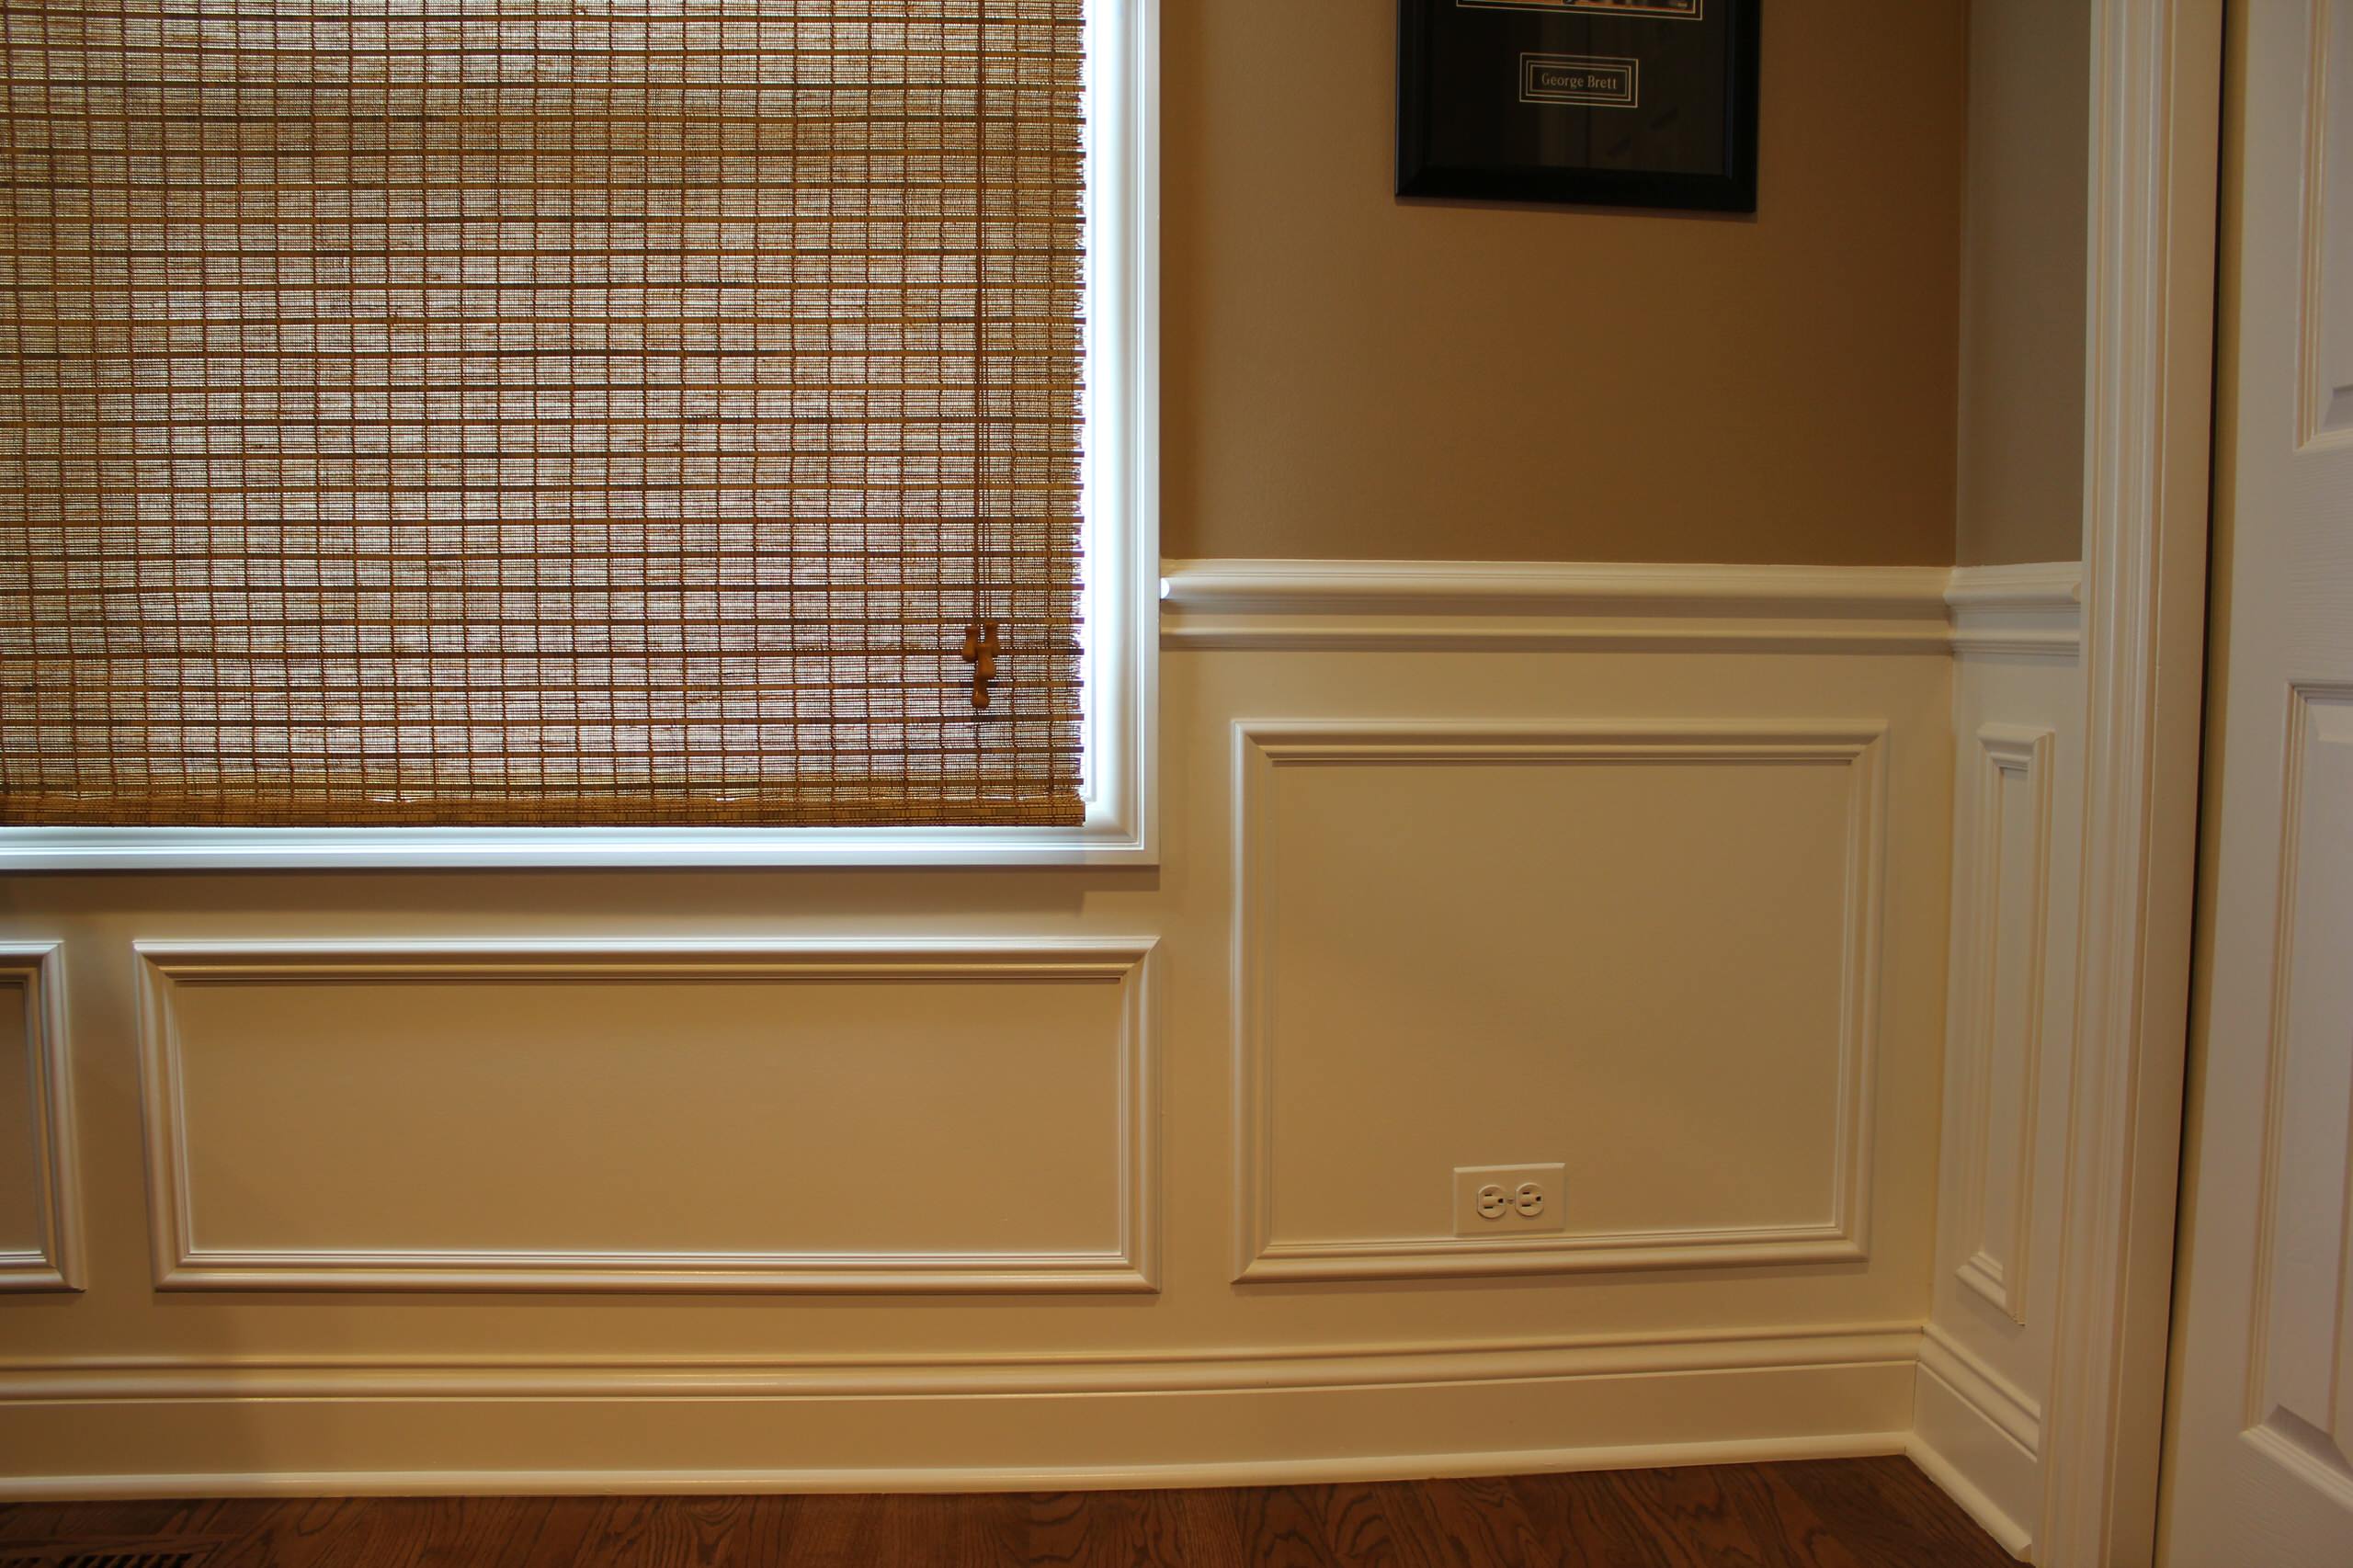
point(1646, 952)
point(1997, 1008)
point(39, 1207)
point(938, 1116)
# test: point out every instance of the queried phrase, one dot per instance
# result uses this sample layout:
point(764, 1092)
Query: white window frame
point(1121, 606)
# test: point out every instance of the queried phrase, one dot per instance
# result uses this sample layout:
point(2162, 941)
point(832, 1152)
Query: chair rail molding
point(1500, 606)
point(35, 971)
point(2032, 612)
point(2155, 137)
point(1841, 1235)
point(182, 1262)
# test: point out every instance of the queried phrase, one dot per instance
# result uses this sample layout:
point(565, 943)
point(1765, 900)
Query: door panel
point(2259, 1452)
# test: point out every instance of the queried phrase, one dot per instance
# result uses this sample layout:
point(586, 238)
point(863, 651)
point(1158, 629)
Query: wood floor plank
point(941, 1528)
point(1482, 1524)
point(1891, 1516)
point(1730, 1517)
point(440, 1530)
point(1280, 1526)
point(1212, 1530)
point(1097, 1529)
point(835, 1530)
point(1586, 1523)
point(558, 1536)
point(660, 1532)
point(1384, 1526)
point(1841, 1513)
point(299, 1532)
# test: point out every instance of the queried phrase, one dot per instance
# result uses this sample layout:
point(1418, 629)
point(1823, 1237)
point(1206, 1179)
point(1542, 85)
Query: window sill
point(1103, 843)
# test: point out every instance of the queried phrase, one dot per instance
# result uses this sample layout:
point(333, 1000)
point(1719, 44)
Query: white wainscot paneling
point(1997, 1007)
point(946, 1116)
point(40, 1207)
point(1986, 1361)
point(2300, 1398)
point(1647, 951)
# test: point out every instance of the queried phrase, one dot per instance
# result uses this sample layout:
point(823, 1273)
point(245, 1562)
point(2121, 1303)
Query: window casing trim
point(1121, 607)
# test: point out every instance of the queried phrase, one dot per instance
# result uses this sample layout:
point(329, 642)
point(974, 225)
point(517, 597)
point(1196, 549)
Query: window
point(503, 431)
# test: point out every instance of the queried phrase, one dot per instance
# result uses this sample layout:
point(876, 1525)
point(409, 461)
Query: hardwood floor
point(1879, 1513)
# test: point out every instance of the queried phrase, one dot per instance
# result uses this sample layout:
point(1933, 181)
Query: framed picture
point(1619, 103)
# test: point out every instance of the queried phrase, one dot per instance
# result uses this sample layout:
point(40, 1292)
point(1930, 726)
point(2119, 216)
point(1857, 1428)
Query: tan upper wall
point(2021, 479)
point(1346, 374)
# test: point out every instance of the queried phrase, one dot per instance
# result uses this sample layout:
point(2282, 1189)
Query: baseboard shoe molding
point(2025, 611)
point(124, 1428)
point(2012, 1537)
point(726, 1482)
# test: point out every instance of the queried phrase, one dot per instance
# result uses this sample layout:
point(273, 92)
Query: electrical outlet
point(1511, 1199)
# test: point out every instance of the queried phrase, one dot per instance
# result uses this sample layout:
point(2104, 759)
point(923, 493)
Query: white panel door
point(2259, 1449)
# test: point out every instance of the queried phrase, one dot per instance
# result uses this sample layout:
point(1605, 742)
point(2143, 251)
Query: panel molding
point(2003, 750)
point(1261, 747)
point(181, 1264)
point(37, 970)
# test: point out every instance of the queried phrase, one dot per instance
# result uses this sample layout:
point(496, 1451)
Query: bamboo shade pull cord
point(483, 411)
point(981, 643)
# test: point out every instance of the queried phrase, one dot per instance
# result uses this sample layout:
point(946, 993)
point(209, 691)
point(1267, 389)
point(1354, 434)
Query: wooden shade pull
point(981, 649)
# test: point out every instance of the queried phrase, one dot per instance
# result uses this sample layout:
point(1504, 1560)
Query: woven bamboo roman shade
point(541, 412)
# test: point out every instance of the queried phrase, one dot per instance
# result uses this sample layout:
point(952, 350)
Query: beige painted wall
point(1350, 375)
point(2021, 476)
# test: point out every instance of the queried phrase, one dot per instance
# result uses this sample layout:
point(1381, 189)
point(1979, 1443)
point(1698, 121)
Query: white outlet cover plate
point(1469, 1180)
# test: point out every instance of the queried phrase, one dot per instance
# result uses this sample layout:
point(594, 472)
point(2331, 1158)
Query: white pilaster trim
point(2155, 94)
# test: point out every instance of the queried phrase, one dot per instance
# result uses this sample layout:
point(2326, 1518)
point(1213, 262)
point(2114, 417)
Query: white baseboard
point(2011, 1536)
point(1976, 1435)
point(222, 1429)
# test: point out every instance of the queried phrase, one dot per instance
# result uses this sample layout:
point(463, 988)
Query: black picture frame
point(1477, 116)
